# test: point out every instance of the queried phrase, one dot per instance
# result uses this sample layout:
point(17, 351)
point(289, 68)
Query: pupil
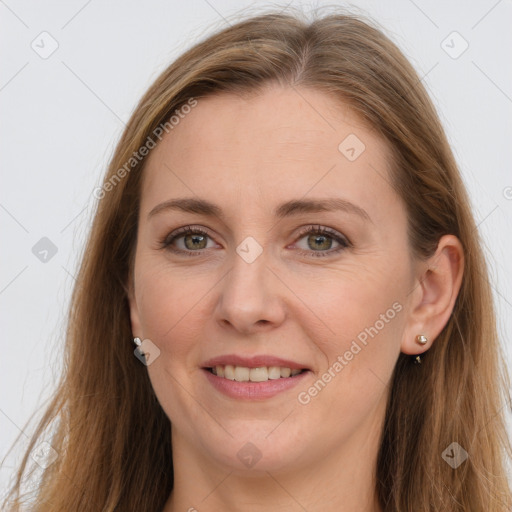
point(195, 239)
point(318, 239)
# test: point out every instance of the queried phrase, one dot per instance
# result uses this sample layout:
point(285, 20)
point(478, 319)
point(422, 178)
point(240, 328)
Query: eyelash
point(317, 230)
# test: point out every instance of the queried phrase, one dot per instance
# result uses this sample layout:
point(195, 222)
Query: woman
point(285, 237)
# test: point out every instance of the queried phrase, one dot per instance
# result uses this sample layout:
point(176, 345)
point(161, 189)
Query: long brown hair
point(112, 436)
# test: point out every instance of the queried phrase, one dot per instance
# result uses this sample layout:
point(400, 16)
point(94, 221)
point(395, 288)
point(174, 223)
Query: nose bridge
point(248, 296)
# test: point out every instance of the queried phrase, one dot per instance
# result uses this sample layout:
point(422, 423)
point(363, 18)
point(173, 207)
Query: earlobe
point(437, 288)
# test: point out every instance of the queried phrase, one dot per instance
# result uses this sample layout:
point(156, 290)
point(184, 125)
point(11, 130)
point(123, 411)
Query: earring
point(137, 342)
point(421, 339)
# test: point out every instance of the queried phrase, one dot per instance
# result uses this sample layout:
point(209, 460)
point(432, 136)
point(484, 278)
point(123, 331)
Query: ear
point(134, 310)
point(436, 287)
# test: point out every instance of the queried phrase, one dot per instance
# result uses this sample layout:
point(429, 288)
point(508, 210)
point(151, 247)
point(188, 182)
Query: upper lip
point(253, 362)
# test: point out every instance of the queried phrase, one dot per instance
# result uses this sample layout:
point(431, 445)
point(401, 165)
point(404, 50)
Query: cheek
point(169, 304)
point(363, 321)
point(357, 302)
point(171, 315)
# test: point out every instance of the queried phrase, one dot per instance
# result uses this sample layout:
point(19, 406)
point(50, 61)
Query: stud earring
point(137, 342)
point(421, 339)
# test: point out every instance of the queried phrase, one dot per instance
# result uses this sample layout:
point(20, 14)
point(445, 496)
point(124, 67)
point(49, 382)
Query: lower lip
point(253, 390)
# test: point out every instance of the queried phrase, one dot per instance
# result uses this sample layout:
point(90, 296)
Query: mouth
point(258, 374)
point(257, 377)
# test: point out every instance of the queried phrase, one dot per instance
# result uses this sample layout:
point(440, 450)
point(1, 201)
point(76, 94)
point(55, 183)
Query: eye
point(186, 240)
point(319, 241)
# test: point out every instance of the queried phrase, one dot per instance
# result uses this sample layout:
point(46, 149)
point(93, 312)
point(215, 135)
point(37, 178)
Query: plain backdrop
point(72, 72)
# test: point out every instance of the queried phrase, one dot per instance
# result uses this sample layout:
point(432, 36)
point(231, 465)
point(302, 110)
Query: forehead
point(283, 143)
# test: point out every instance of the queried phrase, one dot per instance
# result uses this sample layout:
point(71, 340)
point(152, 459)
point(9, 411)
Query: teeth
point(241, 374)
point(274, 372)
point(261, 374)
point(258, 374)
point(229, 372)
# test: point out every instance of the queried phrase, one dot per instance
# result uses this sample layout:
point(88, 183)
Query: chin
point(257, 450)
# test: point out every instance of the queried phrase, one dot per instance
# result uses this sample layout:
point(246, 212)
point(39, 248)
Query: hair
point(113, 438)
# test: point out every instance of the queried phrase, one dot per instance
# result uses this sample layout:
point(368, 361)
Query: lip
point(253, 362)
point(253, 390)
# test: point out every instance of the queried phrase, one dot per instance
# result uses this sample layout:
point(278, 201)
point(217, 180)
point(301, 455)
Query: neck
point(344, 481)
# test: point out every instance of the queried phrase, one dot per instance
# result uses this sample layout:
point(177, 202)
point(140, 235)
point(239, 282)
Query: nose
point(250, 297)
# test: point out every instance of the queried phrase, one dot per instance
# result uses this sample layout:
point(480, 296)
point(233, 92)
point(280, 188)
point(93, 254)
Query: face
point(271, 250)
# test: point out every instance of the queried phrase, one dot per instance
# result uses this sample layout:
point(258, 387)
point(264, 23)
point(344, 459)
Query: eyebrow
point(287, 209)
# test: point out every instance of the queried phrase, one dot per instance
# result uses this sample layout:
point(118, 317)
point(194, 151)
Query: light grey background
point(62, 115)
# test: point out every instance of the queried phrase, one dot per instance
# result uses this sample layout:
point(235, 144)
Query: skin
point(248, 156)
